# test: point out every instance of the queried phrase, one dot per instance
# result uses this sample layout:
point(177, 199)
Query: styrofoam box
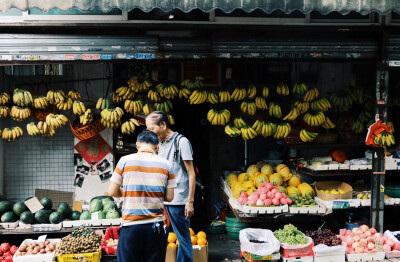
point(47, 227)
point(392, 254)
point(329, 204)
point(389, 201)
point(37, 257)
point(358, 167)
point(320, 209)
point(319, 167)
point(366, 202)
point(344, 166)
point(11, 225)
point(333, 258)
point(266, 210)
point(333, 166)
point(366, 256)
point(392, 166)
point(298, 259)
point(75, 223)
point(23, 225)
point(396, 201)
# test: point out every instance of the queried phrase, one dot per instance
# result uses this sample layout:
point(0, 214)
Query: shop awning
point(287, 6)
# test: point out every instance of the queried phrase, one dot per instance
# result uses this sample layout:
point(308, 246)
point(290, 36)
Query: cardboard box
point(255, 258)
point(330, 185)
point(56, 196)
point(200, 254)
point(298, 259)
point(171, 254)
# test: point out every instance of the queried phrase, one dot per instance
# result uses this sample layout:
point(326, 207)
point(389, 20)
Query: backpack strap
point(176, 144)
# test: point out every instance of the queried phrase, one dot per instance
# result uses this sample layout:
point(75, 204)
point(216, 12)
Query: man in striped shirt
point(147, 181)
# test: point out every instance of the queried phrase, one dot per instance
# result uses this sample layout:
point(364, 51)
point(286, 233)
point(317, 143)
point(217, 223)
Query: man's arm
point(114, 190)
point(189, 209)
point(169, 195)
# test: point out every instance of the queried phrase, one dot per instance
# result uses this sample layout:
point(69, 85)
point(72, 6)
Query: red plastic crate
point(299, 252)
point(111, 232)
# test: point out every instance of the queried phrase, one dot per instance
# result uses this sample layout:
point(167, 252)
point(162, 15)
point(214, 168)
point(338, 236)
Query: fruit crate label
point(378, 245)
point(33, 204)
point(42, 238)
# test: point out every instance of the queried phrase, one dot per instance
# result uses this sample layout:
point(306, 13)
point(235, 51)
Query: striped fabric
point(144, 177)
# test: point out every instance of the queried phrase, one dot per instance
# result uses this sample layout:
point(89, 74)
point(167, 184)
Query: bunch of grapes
point(290, 235)
point(324, 236)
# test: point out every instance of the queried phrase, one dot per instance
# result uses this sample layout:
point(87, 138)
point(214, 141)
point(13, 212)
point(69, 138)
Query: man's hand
point(189, 210)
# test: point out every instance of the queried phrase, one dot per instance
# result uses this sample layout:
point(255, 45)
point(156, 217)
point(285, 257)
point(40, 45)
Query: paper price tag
point(154, 75)
point(378, 245)
point(228, 73)
point(95, 216)
point(33, 204)
point(42, 238)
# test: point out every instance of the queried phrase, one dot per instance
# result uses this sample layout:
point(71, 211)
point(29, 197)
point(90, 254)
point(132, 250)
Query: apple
point(263, 196)
point(356, 238)
point(267, 202)
point(355, 245)
point(390, 242)
point(264, 190)
point(355, 230)
point(364, 228)
point(342, 232)
point(378, 235)
point(371, 245)
point(386, 248)
point(359, 250)
point(372, 230)
point(368, 233)
point(363, 236)
point(396, 246)
point(363, 241)
point(244, 195)
point(260, 202)
point(348, 232)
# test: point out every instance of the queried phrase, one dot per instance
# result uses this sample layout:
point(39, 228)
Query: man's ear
point(156, 148)
point(137, 145)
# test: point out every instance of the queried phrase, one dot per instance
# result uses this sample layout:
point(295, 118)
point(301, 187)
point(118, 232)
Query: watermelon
point(95, 206)
point(85, 216)
point(104, 201)
point(8, 217)
point(101, 198)
point(5, 206)
point(56, 218)
point(42, 216)
point(76, 215)
point(19, 208)
point(102, 215)
point(27, 217)
point(46, 203)
point(112, 214)
point(109, 205)
point(64, 209)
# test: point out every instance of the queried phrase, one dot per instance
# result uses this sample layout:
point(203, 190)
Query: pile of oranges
point(199, 239)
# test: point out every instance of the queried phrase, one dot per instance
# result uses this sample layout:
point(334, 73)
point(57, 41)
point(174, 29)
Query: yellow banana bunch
point(78, 108)
point(212, 98)
point(218, 117)
point(167, 91)
point(22, 97)
point(12, 134)
point(232, 131)
point(302, 106)
point(74, 95)
point(171, 119)
point(238, 122)
point(20, 114)
point(66, 105)
point(248, 108)
point(4, 111)
point(248, 133)
point(299, 88)
point(293, 114)
point(198, 97)
point(164, 106)
point(40, 102)
point(268, 129)
point(238, 94)
point(56, 121)
point(56, 97)
point(384, 139)
point(328, 123)
point(111, 118)
point(265, 92)
point(314, 119)
point(129, 126)
point(261, 103)
point(342, 101)
point(153, 96)
point(282, 130)
point(224, 96)
point(198, 82)
point(4, 98)
point(102, 103)
point(147, 109)
point(282, 89)
point(307, 136)
point(32, 129)
point(133, 107)
point(251, 92)
point(322, 104)
point(86, 118)
point(311, 94)
point(258, 126)
point(137, 85)
point(46, 131)
point(275, 110)
point(121, 94)
point(184, 93)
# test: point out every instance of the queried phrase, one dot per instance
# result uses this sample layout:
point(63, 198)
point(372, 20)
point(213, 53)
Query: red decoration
point(374, 130)
point(93, 149)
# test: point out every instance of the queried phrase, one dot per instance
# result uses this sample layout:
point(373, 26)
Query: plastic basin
point(232, 222)
point(233, 233)
point(393, 191)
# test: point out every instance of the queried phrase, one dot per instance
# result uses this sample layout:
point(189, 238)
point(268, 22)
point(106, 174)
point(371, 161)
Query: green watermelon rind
point(64, 209)
point(86, 216)
point(46, 203)
point(42, 216)
point(19, 208)
point(5, 206)
point(9, 217)
point(27, 217)
point(75, 215)
point(95, 206)
point(56, 218)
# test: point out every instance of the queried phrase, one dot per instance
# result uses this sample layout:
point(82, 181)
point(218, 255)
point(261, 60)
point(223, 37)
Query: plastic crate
point(111, 232)
point(298, 252)
point(88, 257)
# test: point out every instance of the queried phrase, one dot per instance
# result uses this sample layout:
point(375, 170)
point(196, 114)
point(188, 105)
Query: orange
point(201, 241)
point(202, 245)
point(171, 245)
point(191, 232)
point(194, 240)
point(171, 237)
point(201, 234)
point(177, 242)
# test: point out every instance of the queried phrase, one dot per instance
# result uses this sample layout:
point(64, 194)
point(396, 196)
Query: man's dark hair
point(160, 117)
point(148, 137)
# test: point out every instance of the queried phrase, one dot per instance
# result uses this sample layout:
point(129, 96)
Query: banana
point(282, 89)
point(224, 96)
point(4, 111)
point(147, 109)
point(265, 92)
point(74, 95)
point(99, 103)
point(212, 98)
point(21, 97)
point(232, 131)
point(4, 98)
point(20, 114)
point(251, 92)
point(328, 124)
point(261, 103)
point(183, 93)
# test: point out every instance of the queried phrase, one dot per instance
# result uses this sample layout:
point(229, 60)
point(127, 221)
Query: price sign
point(33, 204)
point(42, 238)
point(378, 245)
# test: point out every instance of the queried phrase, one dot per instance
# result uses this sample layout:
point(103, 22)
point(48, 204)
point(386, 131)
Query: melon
point(251, 190)
point(251, 170)
point(294, 181)
point(248, 184)
point(260, 164)
point(283, 170)
point(276, 179)
point(232, 177)
point(282, 189)
point(237, 190)
point(243, 177)
point(260, 179)
point(253, 177)
point(267, 170)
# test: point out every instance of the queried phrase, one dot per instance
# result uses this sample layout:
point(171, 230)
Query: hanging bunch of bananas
point(248, 108)
point(66, 105)
point(265, 92)
point(322, 104)
point(364, 116)
point(12, 134)
point(184, 93)
point(218, 117)
point(56, 120)
point(87, 117)
point(111, 117)
point(153, 96)
point(167, 91)
point(384, 139)
point(147, 109)
point(22, 97)
point(232, 131)
point(311, 94)
point(122, 94)
point(268, 129)
point(20, 114)
point(261, 103)
point(343, 100)
point(56, 97)
point(275, 110)
point(391, 126)
point(198, 82)
point(45, 130)
point(299, 88)
point(4, 98)
point(164, 106)
point(198, 97)
point(258, 126)
point(40, 102)
point(248, 133)
point(224, 96)
point(328, 124)
point(238, 94)
point(137, 85)
point(251, 92)
point(239, 123)
point(78, 108)
point(171, 119)
point(293, 114)
point(102, 103)
point(302, 106)
point(4, 111)
point(74, 95)
point(128, 127)
point(133, 107)
point(314, 119)
point(32, 129)
point(282, 130)
point(358, 127)
point(358, 94)
point(212, 98)
point(282, 89)
point(307, 136)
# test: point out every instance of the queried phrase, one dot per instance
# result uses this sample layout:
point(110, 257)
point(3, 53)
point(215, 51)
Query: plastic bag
point(326, 250)
point(287, 246)
point(270, 245)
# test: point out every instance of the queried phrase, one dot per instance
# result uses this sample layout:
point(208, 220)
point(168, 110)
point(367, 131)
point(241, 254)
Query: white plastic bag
point(328, 250)
point(270, 245)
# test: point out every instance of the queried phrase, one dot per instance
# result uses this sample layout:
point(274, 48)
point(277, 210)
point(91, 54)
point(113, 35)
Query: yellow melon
point(243, 177)
point(267, 170)
point(253, 177)
point(294, 181)
point(232, 177)
point(251, 190)
point(248, 184)
point(238, 189)
point(251, 170)
point(260, 179)
point(276, 179)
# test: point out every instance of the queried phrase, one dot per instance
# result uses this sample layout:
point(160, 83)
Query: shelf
point(340, 172)
point(313, 145)
point(30, 231)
